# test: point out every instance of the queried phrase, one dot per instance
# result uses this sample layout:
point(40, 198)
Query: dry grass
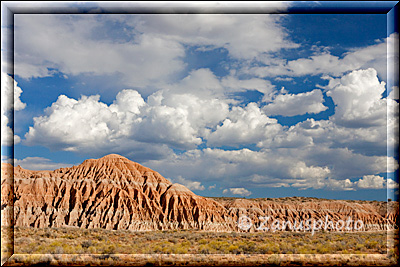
point(101, 241)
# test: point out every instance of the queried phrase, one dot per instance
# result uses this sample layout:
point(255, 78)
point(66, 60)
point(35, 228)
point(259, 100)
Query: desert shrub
point(173, 240)
point(72, 249)
point(163, 247)
point(54, 247)
point(315, 241)
point(46, 234)
point(69, 236)
point(360, 239)
point(232, 249)
point(323, 249)
point(87, 243)
point(157, 249)
point(57, 250)
point(98, 241)
point(100, 237)
point(110, 249)
point(218, 246)
point(31, 248)
point(371, 245)
point(203, 249)
point(246, 246)
point(284, 249)
point(275, 249)
point(203, 241)
point(303, 250)
point(181, 248)
point(359, 246)
point(194, 236)
point(264, 249)
point(151, 238)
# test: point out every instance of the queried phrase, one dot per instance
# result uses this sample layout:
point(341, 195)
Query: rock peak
point(116, 168)
point(113, 156)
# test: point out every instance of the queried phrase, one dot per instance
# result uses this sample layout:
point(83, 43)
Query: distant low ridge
point(115, 193)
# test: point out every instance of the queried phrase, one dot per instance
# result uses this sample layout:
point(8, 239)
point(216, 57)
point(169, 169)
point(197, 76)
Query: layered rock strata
point(115, 193)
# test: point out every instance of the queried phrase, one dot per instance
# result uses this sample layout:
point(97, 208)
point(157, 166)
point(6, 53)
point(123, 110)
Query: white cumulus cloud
point(39, 163)
point(192, 185)
point(324, 63)
point(9, 90)
point(213, 31)
point(327, 183)
point(376, 182)
point(144, 51)
point(296, 104)
point(371, 182)
point(364, 121)
point(145, 60)
point(247, 125)
point(358, 98)
point(238, 191)
point(176, 120)
point(391, 184)
point(88, 125)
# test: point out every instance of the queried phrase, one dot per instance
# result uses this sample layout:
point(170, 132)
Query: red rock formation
point(115, 193)
point(111, 192)
point(374, 215)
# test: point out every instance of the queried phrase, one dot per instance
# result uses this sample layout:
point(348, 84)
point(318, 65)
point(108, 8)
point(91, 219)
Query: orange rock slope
point(115, 193)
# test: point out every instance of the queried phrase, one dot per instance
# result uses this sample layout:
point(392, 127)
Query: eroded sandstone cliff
point(111, 192)
point(115, 193)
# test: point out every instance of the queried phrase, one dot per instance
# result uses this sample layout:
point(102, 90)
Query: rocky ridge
point(115, 193)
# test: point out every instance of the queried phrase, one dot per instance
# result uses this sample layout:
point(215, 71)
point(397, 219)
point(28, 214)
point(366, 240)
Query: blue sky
point(248, 105)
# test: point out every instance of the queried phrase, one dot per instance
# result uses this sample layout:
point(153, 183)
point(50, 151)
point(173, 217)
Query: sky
point(236, 105)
